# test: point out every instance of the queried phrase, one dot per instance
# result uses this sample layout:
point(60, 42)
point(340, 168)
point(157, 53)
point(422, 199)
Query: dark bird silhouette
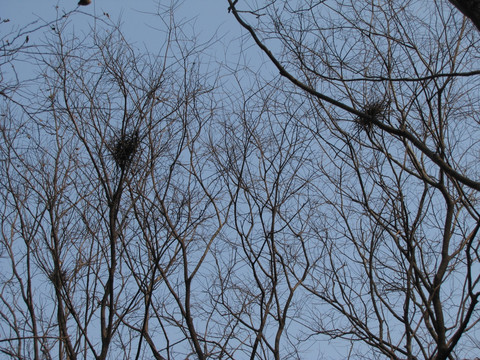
point(84, 2)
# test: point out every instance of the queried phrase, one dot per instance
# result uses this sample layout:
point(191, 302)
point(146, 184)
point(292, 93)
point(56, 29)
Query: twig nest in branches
point(84, 2)
point(52, 276)
point(124, 148)
point(373, 111)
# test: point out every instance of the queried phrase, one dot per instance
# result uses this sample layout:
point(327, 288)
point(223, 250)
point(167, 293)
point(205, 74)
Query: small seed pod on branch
point(84, 2)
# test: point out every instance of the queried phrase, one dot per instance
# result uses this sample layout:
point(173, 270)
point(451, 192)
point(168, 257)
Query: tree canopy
point(172, 205)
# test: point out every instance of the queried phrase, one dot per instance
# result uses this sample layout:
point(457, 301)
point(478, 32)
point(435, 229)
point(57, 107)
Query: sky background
point(137, 17)
point(142, 27)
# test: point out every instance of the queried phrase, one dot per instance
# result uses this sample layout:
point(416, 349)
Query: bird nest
point(124, 148)
point(372, 112)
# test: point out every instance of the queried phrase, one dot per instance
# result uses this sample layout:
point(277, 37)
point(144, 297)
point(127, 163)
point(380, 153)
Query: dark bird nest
point(373, 111)
point(124, 148)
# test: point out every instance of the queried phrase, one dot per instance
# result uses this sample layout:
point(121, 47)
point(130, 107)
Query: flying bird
point(84, 2)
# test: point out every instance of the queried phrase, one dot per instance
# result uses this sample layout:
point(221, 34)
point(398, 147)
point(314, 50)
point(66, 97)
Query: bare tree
point(394, 87)
point(152, 208)
point(267, 162)
point(109, 215)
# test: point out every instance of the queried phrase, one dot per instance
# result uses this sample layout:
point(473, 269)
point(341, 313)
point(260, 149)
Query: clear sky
point(137, 18)
point(141, 26)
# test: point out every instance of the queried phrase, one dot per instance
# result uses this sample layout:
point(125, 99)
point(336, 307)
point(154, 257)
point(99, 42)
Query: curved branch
point(391, 130)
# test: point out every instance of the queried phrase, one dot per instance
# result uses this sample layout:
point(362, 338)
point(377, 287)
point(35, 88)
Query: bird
point(84, 2)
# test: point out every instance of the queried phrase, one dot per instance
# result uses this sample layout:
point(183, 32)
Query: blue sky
point(137, 17)
point(140, 26)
